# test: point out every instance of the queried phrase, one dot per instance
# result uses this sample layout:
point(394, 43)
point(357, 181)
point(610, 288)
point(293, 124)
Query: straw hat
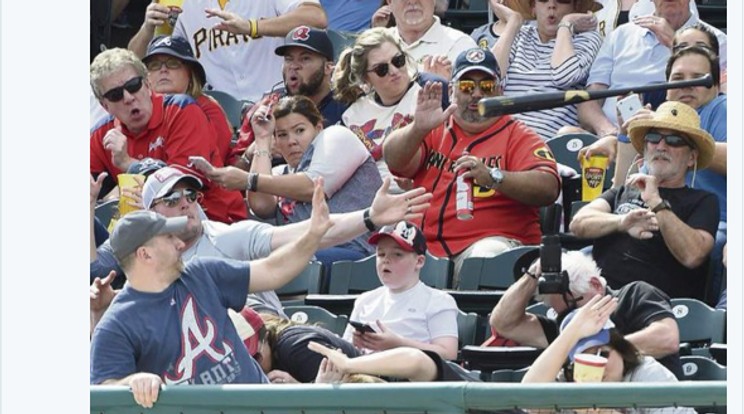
point(582, 6)
point(679, 117)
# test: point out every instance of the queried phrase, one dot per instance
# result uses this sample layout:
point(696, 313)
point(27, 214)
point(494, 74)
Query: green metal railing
point(395, 398)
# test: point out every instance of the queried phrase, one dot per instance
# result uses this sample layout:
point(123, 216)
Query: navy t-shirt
point(183, 334)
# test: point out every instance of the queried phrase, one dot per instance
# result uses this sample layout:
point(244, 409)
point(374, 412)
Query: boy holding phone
point(404, 311)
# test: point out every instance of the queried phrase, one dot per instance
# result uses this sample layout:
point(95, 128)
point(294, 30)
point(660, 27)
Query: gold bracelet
point(254, 29)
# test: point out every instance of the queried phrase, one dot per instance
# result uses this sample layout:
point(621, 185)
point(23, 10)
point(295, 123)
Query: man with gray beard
point(509, 170)
point(655, 228)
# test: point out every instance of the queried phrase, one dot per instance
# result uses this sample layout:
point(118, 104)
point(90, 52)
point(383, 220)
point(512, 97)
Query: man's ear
point(329, 66)
point(420, 261)
point(694, 154)
point(596, 285)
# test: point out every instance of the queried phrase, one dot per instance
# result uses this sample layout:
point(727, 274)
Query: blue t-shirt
point(183, 334)
point(713, 119)
point(349, 15)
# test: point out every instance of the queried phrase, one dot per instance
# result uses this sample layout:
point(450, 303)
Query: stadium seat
point(468, 325)
point(233, 109)
point(494, 358)
point(317, 315)
point(492, 273)
point(508, 375)
point(308, 282)
point(699, 368)
point(699, 324)
point(540, 309)
point(106, 211)
point(347, 277)
point(565, 148)
point(340, 41)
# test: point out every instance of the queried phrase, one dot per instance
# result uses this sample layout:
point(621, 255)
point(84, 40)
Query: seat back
point(233, 109)
point(340, 41)
point(698, 368)
point(492, 273)
point(467, 328)
point(699, 324)
point(316, 315)
point(508, 375)
point(347, 277)
point(565, 148)
point(307, 282)
point(106, 211)
point(541, 309)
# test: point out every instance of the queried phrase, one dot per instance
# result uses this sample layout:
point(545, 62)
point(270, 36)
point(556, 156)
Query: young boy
point(404, 311)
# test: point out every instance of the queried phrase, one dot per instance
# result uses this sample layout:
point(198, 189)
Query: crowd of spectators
point(379, 149)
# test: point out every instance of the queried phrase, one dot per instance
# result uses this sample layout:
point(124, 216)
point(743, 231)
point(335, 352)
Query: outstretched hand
point(101, 292)
point(231, 22)
point(429, 113)
point(391, 208)
point(231, 178)
point(591, 317)
point(320, 220)
point(336, 359)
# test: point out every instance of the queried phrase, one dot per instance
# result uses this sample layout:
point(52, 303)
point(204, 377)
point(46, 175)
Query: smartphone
point(200, 163)
point(362, 327)
point(628, 106)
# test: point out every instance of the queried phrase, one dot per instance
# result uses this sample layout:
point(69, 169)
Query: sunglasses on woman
point(672, 140)
point(170, 63)
point(383, 69)
point(132, 86)
point(174, 198)
point(487, 86)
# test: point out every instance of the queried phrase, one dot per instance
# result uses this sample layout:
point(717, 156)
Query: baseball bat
point(505, 105)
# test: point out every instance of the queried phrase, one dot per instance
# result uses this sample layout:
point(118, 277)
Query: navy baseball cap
point(176, 47)
point(309, 38)
point(408, 236)
point(146, 166)
point(475, 59)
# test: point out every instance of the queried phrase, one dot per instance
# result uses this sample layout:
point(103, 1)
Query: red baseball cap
point(408, 236)
point(250, 327)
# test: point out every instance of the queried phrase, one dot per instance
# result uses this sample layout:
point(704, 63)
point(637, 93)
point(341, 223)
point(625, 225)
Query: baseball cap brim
point(472, 68)
point(168, 186)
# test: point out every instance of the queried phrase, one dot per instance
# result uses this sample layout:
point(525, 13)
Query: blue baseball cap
point(598, 339)
point(475, 59)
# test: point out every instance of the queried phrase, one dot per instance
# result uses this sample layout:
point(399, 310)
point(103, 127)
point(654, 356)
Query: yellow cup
point(127, 181)
point(589, 368)
point(175, 9)
point(593, 176)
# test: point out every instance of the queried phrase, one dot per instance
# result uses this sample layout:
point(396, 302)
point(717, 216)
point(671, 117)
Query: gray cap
point(162, 181)
point(138, 227)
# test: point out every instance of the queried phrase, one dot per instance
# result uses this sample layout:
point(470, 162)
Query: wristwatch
point(663, 205)
point(497, 176)
point(570, 27)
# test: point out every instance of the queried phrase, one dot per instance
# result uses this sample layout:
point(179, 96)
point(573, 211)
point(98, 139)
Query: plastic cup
point(593, 176)
point(127, 181)
point(175, 9)
point(589, 368)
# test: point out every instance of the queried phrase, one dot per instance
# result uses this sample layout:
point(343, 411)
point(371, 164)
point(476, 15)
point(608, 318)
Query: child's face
point(397, 269)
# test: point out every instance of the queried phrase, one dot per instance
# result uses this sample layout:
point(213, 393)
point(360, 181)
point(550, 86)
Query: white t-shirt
point(651, 370)
point(421, 313)
point(438, 40)
point(243, 67)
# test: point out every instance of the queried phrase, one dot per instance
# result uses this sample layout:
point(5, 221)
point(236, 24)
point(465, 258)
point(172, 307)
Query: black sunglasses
point(132, 86)
point(672, 140)
point(173, 198)
point(383, 69)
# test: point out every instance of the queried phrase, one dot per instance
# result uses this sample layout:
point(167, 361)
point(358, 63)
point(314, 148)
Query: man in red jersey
point(145, 124)
point(513, 173)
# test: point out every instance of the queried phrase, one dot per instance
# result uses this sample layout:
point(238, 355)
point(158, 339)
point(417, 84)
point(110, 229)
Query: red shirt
point(177, 129)
point(507, 144)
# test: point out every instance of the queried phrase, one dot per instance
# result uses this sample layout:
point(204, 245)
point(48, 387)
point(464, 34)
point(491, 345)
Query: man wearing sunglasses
point(145, 124)
point(169, 324)
point(655, 228)
point(512, 171)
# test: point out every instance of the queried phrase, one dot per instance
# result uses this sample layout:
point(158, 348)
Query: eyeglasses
point(132, 86)
point(672, 140)
point(383, 69)
point(557, 1)
point(170, 63)
point(468, 85)
point(171, 200)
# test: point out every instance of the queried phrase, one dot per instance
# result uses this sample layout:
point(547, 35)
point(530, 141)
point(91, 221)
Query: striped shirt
point(530, 73)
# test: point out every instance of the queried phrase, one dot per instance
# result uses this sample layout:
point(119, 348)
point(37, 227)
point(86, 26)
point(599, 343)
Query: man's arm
point(595, 220)
point(386, 209)
point(402, 148)
point(719, 164)
point(307, 14)
point(533, 188)
point(511, 321)
point(593, 118)
point(688, 245)
point(145, 387)
point(659, 339)
point(287, 262)
point(155, 15)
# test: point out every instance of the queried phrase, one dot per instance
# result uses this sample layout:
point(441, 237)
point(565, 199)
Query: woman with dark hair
point(172, 68)
point(294, 128)
point(379, 81)
point(700, 35)
point(589, 330)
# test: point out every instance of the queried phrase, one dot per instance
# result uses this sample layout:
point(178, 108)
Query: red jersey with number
point(177, 129)
point(507, 144)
